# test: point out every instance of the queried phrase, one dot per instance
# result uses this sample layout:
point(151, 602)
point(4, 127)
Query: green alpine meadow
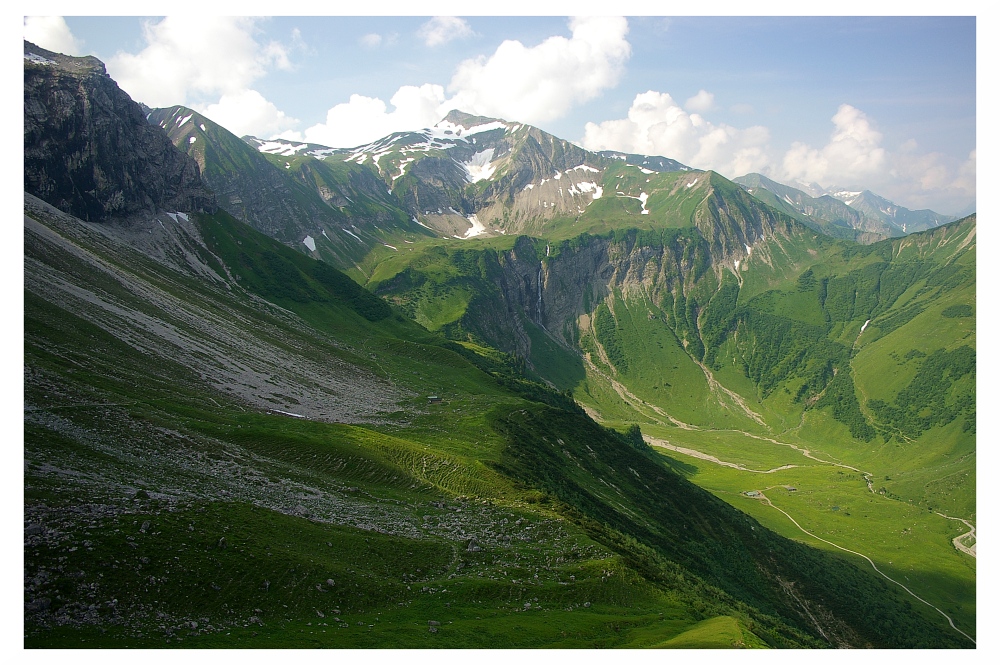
point(476, 387)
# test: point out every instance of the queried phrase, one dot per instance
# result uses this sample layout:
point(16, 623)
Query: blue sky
point(884, 103)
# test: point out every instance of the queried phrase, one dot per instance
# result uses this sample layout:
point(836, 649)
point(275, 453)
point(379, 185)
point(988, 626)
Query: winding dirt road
point(763, 498)
point(970, 534)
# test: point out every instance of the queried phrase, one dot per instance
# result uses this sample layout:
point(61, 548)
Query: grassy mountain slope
point(864, 355)
point(339, 211)
point(175, 495)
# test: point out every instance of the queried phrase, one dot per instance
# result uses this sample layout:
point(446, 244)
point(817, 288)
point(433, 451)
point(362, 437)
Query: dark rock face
point(89, 151)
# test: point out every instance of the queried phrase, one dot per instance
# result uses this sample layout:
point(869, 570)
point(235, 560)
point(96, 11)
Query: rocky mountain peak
point(468, 120)
point(89, 151)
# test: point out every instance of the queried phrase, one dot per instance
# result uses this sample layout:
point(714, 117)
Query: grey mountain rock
point(89, 151)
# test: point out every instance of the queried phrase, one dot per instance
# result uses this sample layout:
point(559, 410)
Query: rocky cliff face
point(89, 151)
point(555, 288)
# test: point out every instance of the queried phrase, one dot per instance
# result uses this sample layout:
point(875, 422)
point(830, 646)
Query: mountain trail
point(958, 540)
point(767, 501)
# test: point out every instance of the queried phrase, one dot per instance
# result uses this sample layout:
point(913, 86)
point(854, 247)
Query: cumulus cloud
point(364, 119)
point(529, 84)
point(854, 153)
point(247, 112)
point(543, 82)
point(371, 40)
point(703, 101)
point(191, 57)
point(855, 157)
point(443, 29)
point(208, 63)
point(657, 125)
point(52, 33)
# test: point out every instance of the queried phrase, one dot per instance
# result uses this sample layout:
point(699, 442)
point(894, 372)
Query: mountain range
point(474, 386)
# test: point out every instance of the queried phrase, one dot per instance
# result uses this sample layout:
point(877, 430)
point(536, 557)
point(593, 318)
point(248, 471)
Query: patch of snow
point(791, 202)
point(692, 183)
point(598, 193)
point(449, 131)
point(37, 59)
point(183, 216)
point(749, 248)
point(203, 128)
point(172, 215)
point(390, 247)
point(479, 167)
point(737, 264)
point(286, 413)
point(287, 165)
point(643, 196)
point(584, 167)
point(279, 148)
point(353, 236)
point(192, 139)
point(477, 228)
point(324, 234)
point(181, 121)
point(310, 243)
point(865, 326)
point(646, 171)
point(417, 221)
point(527, 187)
point(557, 176)
point(487, 127)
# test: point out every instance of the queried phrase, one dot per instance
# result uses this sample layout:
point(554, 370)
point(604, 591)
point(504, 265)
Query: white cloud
point(443, 29)
point(543, 82)
point(364, 119)
point(247, 112)
point(52, 34)
point(853, 155)
point(195, 57)
point(656, 125)
point(528, 84)
point(371, 40)
point(703, 101)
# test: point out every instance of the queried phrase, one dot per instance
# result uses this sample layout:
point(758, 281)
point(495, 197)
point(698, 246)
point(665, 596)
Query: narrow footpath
point(766, 500)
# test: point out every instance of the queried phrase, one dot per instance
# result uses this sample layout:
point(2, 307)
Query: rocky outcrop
point(89, 151)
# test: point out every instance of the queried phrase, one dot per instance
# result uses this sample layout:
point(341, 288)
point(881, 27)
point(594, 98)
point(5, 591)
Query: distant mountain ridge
point(872, 216)
point(877, 207)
